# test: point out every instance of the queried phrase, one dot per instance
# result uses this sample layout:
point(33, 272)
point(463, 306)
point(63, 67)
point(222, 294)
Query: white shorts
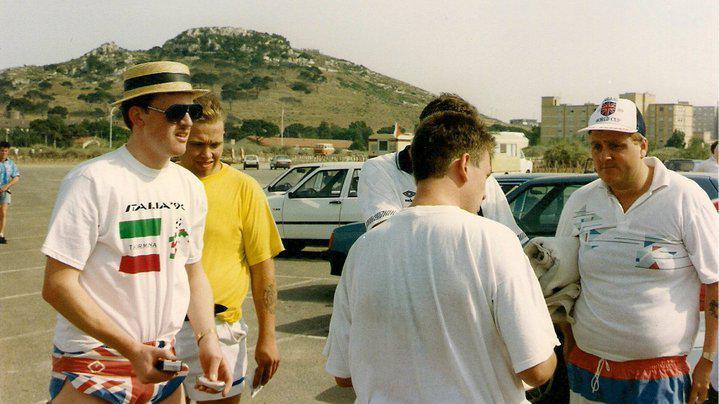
point(233, 342)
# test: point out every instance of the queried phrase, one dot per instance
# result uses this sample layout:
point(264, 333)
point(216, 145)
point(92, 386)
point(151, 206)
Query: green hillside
point(257, 74)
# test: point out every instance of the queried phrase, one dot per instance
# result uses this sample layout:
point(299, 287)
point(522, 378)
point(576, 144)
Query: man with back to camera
point(647, 239)
point(459, 315)
point(9, 176)
point(710, 165)
point(124, 247)
point(386, 185)
point(240, 240)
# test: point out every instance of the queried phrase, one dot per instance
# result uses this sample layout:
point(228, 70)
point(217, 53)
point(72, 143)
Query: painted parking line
point(307, 277)
point(26, 237)
point(9, 271)
point(20, 251)
point(19, 296)
point(27, 334)
point(296, 336)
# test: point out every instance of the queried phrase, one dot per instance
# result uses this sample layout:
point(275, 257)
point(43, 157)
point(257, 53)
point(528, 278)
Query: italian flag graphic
point(134, 230)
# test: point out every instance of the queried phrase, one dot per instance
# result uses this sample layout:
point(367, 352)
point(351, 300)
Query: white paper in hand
point(248, 384)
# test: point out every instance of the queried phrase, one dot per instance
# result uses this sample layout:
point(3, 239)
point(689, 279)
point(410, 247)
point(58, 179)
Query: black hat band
point(156, 78)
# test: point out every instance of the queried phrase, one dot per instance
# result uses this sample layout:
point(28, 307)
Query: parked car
point(685, 165)
point(280, 162)
point(343, 237)
point(251, 160)
point(321, 201)
point(536, 205)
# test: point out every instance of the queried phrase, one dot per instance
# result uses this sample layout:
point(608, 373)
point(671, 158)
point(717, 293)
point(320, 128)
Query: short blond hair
point(212, 111)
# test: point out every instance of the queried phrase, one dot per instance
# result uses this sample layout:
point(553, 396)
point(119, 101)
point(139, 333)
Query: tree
point(323, 131)
point(566, 154)
point(258, 127)
point(534, 136)
point(299, 86)
point(676, 140)
point(299, 130)
point(205, 78)
point(230, 93)
point(53, 128)
point(389, 129)
point(360, 134)
point(58, 110)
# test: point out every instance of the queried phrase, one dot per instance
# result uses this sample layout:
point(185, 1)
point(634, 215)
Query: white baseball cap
point(617, 114)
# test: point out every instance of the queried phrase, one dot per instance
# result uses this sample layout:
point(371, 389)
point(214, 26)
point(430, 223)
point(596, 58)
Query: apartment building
point(663, 119)
point(562, 121)
point(705, 120)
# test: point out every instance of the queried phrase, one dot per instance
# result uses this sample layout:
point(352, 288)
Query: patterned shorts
point(102, 372)
point(658, 380)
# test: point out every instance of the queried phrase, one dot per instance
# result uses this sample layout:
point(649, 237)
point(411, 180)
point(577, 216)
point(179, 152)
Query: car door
point(350, 211)
point(284, 182)
point(538, 207)
point(312, 210)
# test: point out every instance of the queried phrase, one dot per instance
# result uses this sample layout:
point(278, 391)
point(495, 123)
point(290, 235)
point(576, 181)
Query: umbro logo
point(409, 194)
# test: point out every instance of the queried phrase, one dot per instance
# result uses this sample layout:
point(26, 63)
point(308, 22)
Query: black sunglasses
point(175, 113)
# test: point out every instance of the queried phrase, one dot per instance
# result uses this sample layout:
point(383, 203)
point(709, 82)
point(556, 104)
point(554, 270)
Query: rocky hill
point(257, 74)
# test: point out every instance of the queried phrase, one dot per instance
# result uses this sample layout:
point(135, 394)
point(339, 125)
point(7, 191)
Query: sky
point(502, 56)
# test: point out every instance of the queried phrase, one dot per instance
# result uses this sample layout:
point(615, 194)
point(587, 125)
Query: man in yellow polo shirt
point(239, 243)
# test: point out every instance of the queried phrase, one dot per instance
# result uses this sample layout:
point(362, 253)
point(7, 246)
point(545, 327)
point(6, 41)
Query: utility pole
point(282, 128)
point(112, 109)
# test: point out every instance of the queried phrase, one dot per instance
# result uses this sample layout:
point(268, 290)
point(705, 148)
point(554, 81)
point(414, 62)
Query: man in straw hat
point(647, 240)
point(123, 255)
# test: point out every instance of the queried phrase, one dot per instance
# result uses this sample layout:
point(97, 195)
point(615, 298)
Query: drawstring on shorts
point(595, 379)
point(232, 334)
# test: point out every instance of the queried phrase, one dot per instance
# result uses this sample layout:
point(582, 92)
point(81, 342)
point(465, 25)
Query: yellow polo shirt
point(239, 232)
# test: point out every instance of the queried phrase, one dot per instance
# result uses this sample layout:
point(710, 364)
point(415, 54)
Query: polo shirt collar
point(661, 175)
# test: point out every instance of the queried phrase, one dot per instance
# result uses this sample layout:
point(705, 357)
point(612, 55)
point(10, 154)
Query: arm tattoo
point(713, 308)
point(270, 298)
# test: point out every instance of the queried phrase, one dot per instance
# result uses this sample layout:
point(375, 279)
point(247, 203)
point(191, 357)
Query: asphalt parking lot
point(305, 304)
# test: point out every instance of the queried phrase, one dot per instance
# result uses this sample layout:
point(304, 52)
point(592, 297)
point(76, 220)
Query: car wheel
point(293, 247)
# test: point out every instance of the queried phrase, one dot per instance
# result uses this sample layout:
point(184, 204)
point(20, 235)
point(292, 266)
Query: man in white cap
point(386, 185)
point(123, 255)
point(647, 240)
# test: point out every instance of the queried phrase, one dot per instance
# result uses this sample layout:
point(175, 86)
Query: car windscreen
point(291, 178)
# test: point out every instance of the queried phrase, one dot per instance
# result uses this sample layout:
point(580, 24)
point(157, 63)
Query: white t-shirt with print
point(457, 316)
point(384, 189)
point(130, 230)
point(641, 270)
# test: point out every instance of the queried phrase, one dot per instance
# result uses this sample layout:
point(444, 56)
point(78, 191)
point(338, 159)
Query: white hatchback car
point(320, 202)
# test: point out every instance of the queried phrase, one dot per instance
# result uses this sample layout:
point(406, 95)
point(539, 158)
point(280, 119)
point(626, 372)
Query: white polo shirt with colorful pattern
point(641, 269)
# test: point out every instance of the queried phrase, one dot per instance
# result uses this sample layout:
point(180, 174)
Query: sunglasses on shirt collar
point(174, 113)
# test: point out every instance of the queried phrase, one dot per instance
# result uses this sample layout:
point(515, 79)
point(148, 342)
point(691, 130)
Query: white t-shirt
point(384, 189)
point(130, 230)
point(457, 316)
point(709, 165)
point(641, 270)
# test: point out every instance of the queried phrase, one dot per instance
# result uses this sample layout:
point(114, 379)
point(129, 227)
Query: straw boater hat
point(157, 77)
